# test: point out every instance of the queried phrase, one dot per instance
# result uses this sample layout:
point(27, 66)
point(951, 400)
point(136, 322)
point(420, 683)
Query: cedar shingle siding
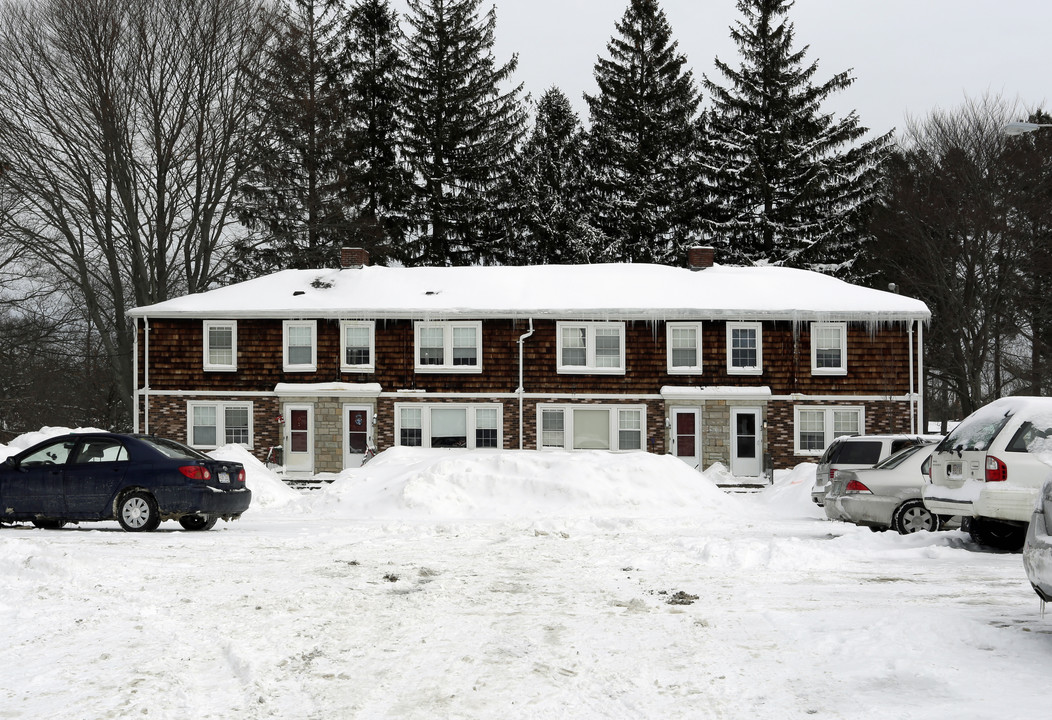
point(877, 362)
point(877, 365)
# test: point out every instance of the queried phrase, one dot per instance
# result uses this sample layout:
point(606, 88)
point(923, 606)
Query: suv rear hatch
point(962, 455)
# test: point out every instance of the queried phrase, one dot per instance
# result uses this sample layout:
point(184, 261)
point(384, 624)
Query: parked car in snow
point(887, 495)
point(988, 471)
point(137, 480)
point(1037, 550)
point(853, 452)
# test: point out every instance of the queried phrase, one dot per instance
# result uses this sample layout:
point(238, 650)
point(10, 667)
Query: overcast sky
point(908, 57)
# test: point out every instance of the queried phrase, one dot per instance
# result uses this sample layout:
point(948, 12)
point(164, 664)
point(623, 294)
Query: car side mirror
point(12, 463)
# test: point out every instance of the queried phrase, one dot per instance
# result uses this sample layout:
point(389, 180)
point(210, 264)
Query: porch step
point(306, 483)
point(742, 487)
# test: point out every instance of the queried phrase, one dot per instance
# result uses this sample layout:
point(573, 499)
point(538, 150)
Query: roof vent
point(351, 257)
point(699, 258)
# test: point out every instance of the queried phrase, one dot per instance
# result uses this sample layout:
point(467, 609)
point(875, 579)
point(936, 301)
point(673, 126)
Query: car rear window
point(1026, 436)
point(860, 452)
point(976, 431)
point(898, 458)
point(173, 449)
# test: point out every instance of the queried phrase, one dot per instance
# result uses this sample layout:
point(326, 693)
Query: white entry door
point(686, 435)
point(299, 438)
point(746, 458)
point(357, 429)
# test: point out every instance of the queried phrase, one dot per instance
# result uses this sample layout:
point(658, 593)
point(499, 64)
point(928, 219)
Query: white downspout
point(146, 375)
point(520, 391)
point(135, 375)
point(920, 374)
point(913, 397)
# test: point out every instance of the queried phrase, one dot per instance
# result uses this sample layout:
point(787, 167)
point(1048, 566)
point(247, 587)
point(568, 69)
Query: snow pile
point(484, 484)
point(790, 494)
point(268, 490)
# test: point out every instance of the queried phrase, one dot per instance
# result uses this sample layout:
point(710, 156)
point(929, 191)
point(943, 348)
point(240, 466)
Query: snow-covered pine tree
point(791, 183)
point(377, 184)
point(644, 142)
point(461, 125)
point(293, 200)
point(549, 188)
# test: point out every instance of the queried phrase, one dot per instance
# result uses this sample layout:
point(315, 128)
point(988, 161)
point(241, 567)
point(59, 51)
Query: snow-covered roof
point(623, 291)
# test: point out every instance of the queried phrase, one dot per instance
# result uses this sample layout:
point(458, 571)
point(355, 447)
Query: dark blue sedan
point(137, 480)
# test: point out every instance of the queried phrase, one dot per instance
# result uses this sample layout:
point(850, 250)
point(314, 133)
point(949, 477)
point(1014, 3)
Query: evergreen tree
point(293, 199)
point(460, 133)
point(791, 183)
point(644, 141)
point(377, 185)
point(549, 185)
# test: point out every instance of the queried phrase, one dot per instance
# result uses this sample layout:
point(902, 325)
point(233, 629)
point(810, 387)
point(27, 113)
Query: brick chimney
point(699, 258)
point(353, 257)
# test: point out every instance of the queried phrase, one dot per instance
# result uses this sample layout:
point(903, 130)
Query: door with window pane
point(357, 432)
point(686, 435)
point(299, 438)
point(746, 458)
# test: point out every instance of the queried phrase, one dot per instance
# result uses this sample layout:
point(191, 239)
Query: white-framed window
point(449, 425)
point(828, 348)
point(300, 345)
point(448, 347)
point(358, 346)
point(220, 345)
point(212, 424)
point(744, 348)
point(816, 426)
point(683, 344)
point(591, 427)
point(591, 347)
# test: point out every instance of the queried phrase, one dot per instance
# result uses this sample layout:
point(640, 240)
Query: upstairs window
point(683, 342)
point(358, 343)
point(220, 346)
point(592, 348)
point(744, 349)
point(449, 347)
point(828, 348)
point(300, 345)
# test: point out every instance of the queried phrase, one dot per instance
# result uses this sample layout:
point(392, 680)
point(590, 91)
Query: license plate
point(224, 477)
point(953, 470)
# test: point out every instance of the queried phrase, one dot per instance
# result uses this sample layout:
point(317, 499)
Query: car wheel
point(137, 512)
point(48, 523)
point(995, 534)
point(198, 522)
point(911, 516)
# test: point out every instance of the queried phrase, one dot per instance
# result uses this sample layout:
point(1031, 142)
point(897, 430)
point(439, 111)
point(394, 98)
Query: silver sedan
point(1037, 551)
point(887, 495)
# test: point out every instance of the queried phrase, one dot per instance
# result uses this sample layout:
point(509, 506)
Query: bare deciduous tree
point(957, 229)
point(124, 131)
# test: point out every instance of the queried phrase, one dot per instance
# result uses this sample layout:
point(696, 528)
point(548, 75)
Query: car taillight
point(196, 472)
point(241, 475)
point(996, 471)
point(856, 486)
point(832, 472)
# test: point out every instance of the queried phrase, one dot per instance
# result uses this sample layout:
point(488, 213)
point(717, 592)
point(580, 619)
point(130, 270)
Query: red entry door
point(686, 438)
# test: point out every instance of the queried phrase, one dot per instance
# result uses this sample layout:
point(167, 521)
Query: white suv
point(987, 471)
point(854, 452)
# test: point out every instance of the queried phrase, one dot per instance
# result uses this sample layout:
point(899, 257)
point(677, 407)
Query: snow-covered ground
point(517, 585)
